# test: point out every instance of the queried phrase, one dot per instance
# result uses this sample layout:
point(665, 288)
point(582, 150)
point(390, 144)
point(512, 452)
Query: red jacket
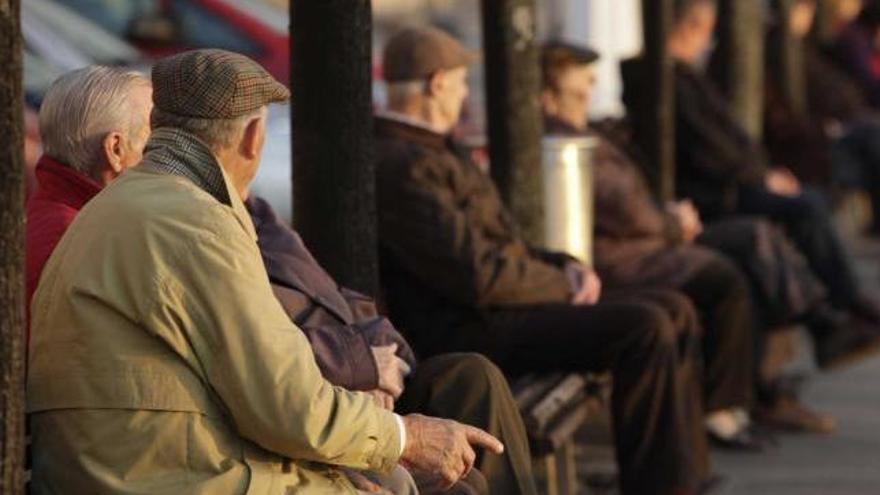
point(61, 193)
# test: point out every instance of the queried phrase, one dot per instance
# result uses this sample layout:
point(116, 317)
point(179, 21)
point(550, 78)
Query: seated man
point(637, 243)
point(358, 349)
point(94, 123)
point(718, 289)
point(725, 172)
point(161, 361)
point(458, 277)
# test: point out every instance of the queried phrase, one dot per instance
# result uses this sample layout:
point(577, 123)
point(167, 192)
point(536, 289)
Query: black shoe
point(746, 440)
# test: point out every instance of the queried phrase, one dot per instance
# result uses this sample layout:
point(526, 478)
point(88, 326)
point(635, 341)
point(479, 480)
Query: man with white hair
point(94, 123)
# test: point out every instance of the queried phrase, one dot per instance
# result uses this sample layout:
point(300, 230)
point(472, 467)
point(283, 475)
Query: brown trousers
point(470, 389)
point(656, 400)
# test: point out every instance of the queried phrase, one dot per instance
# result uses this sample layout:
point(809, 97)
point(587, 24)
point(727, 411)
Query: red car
point(161, 27)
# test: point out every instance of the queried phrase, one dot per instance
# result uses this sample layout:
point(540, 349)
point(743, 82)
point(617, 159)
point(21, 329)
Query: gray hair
point(82, 107)
point(216, 133)
point(402, 91)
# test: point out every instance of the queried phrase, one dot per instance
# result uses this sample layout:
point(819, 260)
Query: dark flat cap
point(213, 84)
point(557, 49)
point(417, 52)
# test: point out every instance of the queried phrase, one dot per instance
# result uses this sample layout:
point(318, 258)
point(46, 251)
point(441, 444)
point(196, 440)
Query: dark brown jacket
point(341, 324)
point(714, 155)
point(449, 249)
point(635, 243)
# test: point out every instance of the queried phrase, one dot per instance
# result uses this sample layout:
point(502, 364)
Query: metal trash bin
point(568, 195)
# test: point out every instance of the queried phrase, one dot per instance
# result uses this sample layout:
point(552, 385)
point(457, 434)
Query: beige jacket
point(161, 361)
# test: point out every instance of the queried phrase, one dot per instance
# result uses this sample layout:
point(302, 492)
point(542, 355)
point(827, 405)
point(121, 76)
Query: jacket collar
point(290, 264)
point(177, 152)
point(397, 129)
point(61, 183)
point(556, 126)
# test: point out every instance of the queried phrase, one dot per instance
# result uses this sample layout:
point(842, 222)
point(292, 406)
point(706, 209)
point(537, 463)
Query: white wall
point(611, 27)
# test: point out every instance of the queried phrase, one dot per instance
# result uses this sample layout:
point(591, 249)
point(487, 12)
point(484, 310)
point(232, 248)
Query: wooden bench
point(553, 408)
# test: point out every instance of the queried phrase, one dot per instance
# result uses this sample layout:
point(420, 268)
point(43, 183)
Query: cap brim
point(279, 93)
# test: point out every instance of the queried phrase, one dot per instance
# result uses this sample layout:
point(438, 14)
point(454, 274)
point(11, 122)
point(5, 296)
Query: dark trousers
point(470, 389)
point(807, 221)
point(856, 161)
point(723, 298)
point(784, 288)
point(656, 400)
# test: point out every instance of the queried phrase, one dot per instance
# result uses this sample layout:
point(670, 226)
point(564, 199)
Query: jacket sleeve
point(260, 364)
point(376, 329)
point(428, 231)
point(709, 144)
point(624, 207)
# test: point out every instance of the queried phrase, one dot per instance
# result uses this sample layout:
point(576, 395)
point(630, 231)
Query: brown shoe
point(847, 345)
point(790, 415)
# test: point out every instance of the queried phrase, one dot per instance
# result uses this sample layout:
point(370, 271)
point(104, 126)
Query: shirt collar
point(408, 120)
point(64, 184)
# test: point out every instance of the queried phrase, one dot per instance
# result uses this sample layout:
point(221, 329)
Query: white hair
point(401, 92)
point(216, 133)
point(82, 107)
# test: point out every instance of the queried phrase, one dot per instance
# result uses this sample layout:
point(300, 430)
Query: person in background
point(713, 283)
point(856, 49)
point(638, 243)
point(726, 174)
point(829, 133)
point(458, 277)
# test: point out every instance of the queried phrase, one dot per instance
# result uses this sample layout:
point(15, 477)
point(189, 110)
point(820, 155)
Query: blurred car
point(56, 40)
point(162, 27)
point(65, 39)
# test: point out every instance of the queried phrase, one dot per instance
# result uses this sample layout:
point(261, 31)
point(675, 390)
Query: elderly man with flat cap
point(163, 363)
point(459, 277)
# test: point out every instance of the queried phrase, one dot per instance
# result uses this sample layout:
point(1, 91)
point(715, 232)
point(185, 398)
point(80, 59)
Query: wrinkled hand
point(382, 399)
point(688, 219)
point(392, 369)
point(782, 182)
point(443, 448)
point(585, 283)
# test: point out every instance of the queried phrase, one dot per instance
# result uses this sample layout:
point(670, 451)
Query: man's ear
point(252, 140)
point(112, 147)
point(436, 83)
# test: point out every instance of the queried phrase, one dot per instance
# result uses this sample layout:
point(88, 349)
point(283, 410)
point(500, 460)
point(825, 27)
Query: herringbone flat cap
point(213, 84)
point(417, 52)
